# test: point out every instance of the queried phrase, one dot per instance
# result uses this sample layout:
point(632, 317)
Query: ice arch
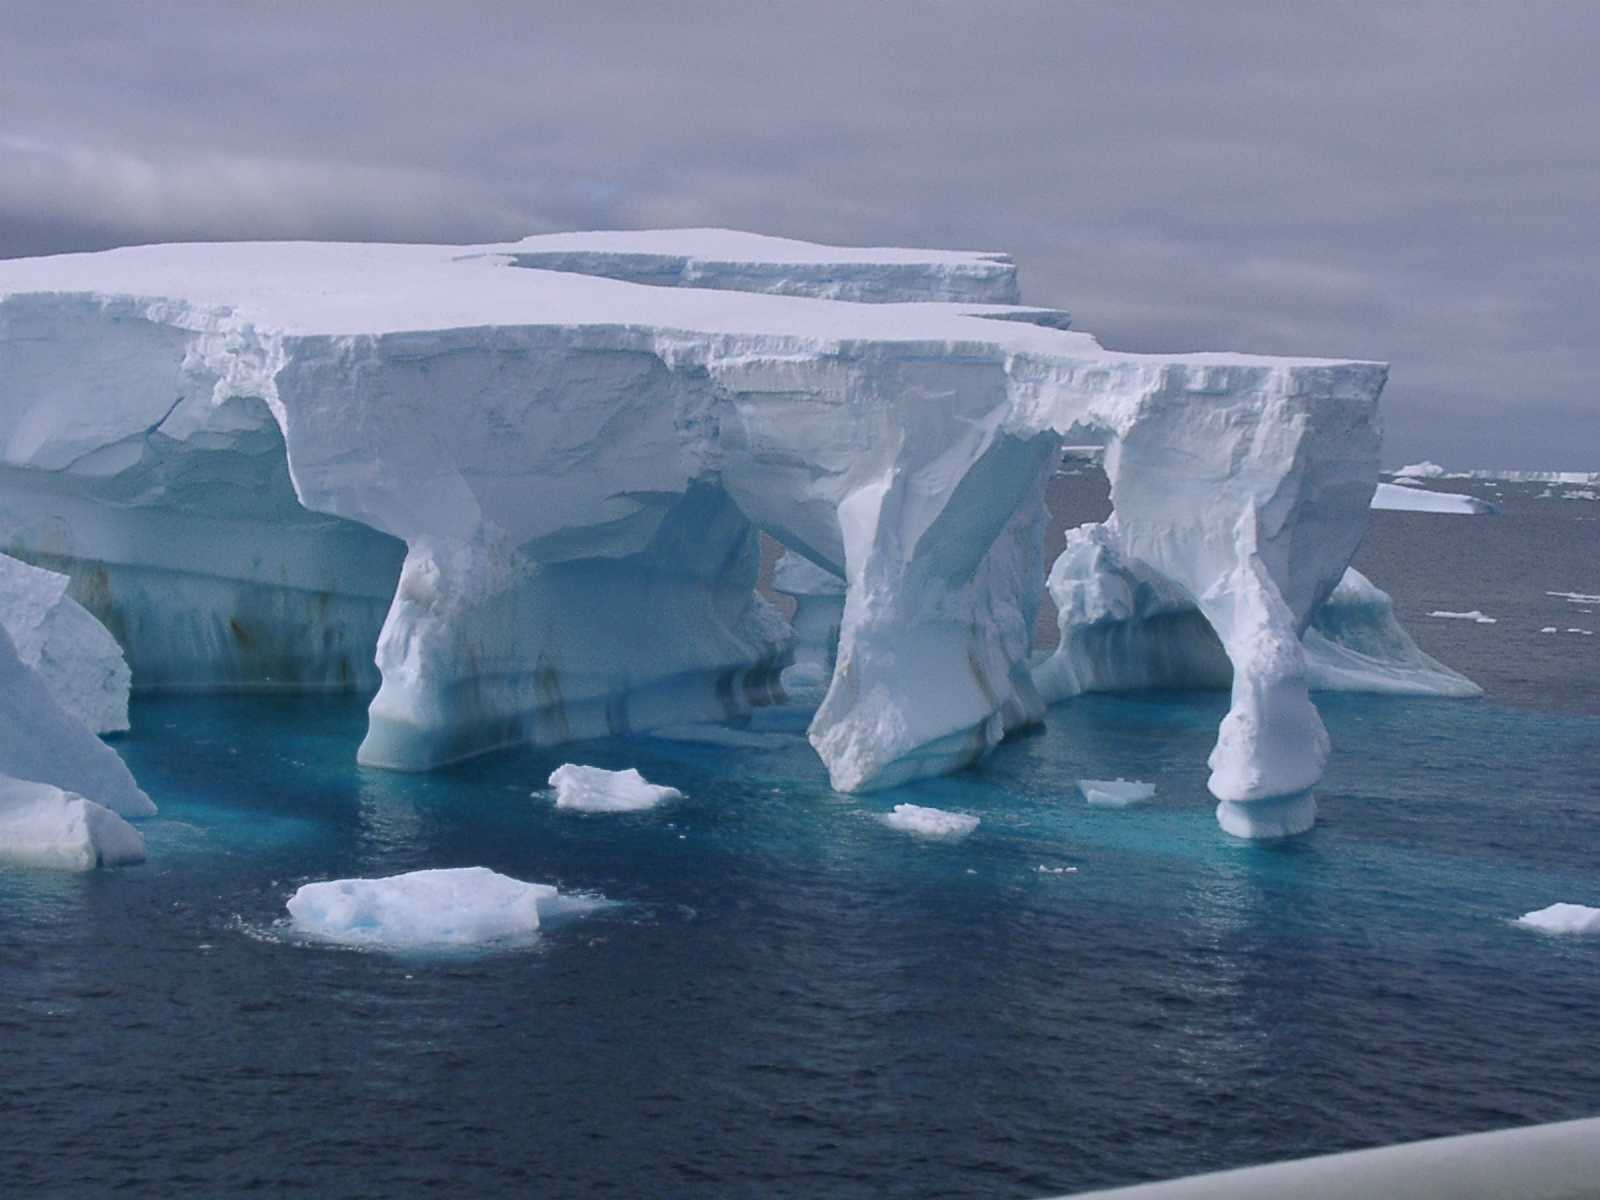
point(576, 467)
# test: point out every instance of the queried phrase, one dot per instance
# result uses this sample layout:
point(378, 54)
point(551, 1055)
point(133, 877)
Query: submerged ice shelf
point(525, 482)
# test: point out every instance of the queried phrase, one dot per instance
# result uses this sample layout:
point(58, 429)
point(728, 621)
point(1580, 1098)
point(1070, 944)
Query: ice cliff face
point(552, 480)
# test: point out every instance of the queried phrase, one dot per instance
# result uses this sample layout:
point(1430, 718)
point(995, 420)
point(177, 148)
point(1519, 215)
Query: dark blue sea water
point(792, 999)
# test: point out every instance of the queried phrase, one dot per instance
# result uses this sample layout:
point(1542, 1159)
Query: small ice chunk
point(1576, 597)
point(594, 789)
point(1548, 629)
point(1563, 918)
point(1585, 632)
point(1044, 870)
point(929, 822)
point(1474, 615)
point(463, 906)
point(1421, 470)
point(1115, 793)
point(43, 826)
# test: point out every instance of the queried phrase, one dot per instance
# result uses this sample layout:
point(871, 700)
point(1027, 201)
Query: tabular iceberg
point(549, 460)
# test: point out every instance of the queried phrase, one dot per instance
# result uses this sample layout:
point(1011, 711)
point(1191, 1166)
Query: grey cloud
point(1411, 182)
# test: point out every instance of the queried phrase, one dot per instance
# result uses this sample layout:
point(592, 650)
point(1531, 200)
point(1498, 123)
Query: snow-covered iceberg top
point(731, 260)
point(595, 789)
point(43, 826)
point(437, 909)
point(576, 466)
point(1563, 918)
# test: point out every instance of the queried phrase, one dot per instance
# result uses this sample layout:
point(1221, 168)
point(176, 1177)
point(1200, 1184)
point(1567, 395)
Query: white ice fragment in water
point(1548, 629)
point(1474, 615)
point(1115, 793)
point(1421, 470)
point(1585, 632)
point(1396, 497)
point(1563, 918)
point(463, 906)
point(594, 789)
point(1576, 597)
point(1044, 870)
point(43, 826)
point(929, 822)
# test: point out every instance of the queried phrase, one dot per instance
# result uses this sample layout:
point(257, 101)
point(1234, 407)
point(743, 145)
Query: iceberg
point(517, 487)
point(437, 909)
point(1115, 793)
point(1396, 498)
point(1421, 470)
point(1563, 918)
point(43, 826)
point(595, 789)
point(41, 741)
point(80, 662)
point(929, 822)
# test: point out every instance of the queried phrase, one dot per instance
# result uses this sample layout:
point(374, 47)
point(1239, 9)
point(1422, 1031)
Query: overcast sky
point(1418, 183)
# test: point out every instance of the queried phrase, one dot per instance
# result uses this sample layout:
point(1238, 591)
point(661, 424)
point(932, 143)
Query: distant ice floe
point(1116, 793)
point(1044, 870)
point(1549, 629)
point(1421, 470)
point(43, 826)
point(929, 822)
point(1584, 632)
point(1395, 497)
point(1576, 597)
point(594, 789)
point(437, 909)
point(1563, 918)
point(1474, 615)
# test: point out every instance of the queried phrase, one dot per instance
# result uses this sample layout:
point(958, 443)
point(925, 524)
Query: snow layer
point(79, 660)
point(43, 826)
point(1116, 793)
point(1394, 498)
point(729, 260)
point(40, 740)
point(577, 465)
point(437, 909)
point(929, 822)
point(595, 789)
point(1563, 918)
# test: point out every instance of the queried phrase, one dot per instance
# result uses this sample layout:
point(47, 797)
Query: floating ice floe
point(43, 826)
point(1585, 632)
point(1576, 597)
point(456, 907)
point(1395, 497)
point(1563, 918)
point(1421, 470)
point(1115, 793)
point(594, 789)
point(1044, 870)
point(929, 822)
point(1549, 629)
point(1474, 615)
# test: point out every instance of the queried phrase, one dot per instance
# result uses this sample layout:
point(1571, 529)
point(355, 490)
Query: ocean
point(789, 998)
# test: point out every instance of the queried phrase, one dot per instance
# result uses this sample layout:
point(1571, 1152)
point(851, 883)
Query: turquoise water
point(790, 998)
